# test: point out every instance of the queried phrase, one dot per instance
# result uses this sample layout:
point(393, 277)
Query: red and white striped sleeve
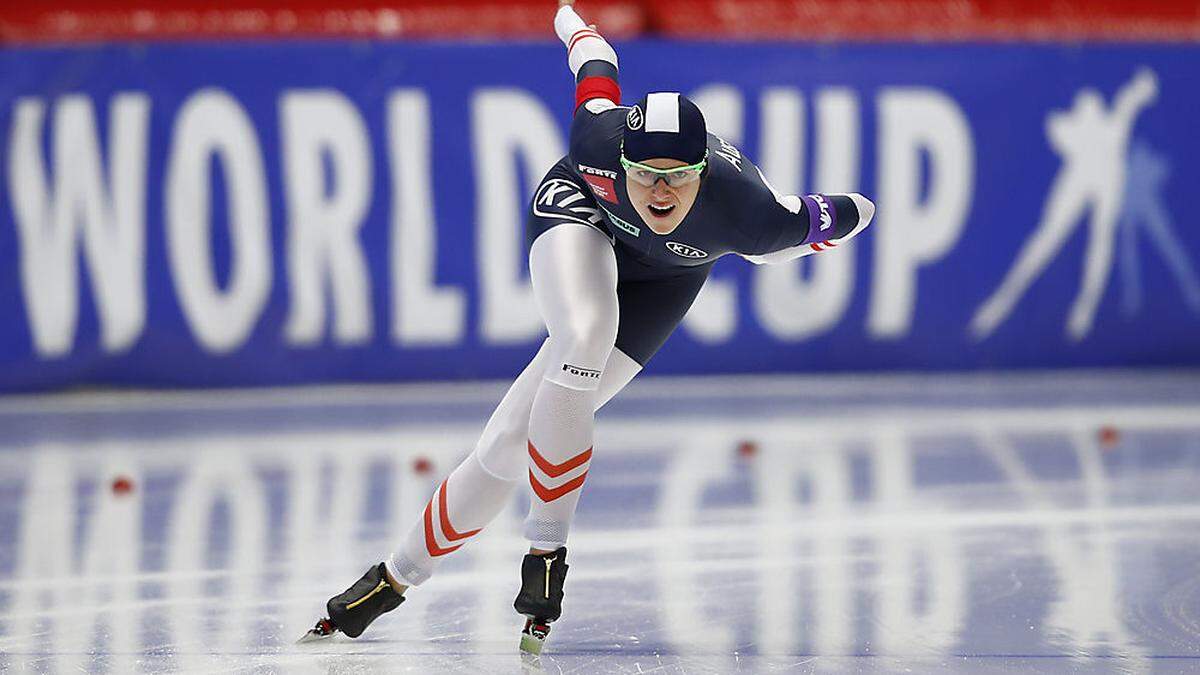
point(591, 59)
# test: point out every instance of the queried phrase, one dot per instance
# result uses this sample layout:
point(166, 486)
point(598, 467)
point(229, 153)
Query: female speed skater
point(623, 232)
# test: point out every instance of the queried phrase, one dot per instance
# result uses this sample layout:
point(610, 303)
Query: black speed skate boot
point(352, 610)
point(541, 596)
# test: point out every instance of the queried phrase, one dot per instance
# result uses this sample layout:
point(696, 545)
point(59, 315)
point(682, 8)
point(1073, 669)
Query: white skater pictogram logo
point(1143, 210)
point(1093, 144)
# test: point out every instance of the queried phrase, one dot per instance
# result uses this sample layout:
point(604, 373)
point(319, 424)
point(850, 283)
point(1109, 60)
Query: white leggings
point(574, 273)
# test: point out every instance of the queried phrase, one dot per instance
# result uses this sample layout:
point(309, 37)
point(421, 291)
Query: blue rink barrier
point(254, 214)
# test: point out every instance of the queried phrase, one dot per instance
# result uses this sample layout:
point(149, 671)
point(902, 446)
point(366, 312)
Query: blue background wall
point(1149, 313)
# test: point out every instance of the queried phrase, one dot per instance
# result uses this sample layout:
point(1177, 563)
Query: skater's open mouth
point(661, 211)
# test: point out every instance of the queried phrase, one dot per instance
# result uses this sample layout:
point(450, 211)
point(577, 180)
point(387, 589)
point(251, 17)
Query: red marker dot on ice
point(422, 466)
point(747, 449)
point(122, 485)
point(1108, 437)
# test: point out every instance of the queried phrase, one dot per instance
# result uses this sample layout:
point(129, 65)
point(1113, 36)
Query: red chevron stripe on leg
point(555, 470)
point(431, 544)
point(444, 516)
point(548, 495)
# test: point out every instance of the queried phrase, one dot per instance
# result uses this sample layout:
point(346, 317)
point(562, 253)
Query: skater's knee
point(506, 461)
point(579, 364)
point(586, 340)
point(594, 326)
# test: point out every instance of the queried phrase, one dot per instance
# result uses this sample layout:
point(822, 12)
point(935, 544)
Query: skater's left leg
point(472, 494)
point(1096, 268)
point(482, 485)
point(459, 509)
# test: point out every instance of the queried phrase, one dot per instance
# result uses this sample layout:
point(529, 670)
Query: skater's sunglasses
point(675, 177)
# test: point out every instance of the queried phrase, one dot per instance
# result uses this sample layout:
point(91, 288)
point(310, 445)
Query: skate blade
point(532, 645)
point(533, 636)
point(322, 631)
point(313, 636)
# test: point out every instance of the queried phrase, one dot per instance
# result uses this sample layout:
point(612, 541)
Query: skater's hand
point(567, 22)
point(571, 4)
point(1146, 83)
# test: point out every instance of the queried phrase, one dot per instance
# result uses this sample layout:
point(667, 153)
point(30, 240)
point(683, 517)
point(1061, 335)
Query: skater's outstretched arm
point(591, 59)
point(1141, 91)
point(794, 226)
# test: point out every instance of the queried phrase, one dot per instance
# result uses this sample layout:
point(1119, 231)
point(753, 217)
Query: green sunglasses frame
point(698, 167)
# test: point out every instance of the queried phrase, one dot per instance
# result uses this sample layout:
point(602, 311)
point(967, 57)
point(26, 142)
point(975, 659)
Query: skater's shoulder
point(596, 133)
point(753, 213)
point(733, 183)
point(732, 179)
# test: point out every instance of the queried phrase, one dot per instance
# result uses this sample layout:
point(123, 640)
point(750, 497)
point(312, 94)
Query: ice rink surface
point(926, 524)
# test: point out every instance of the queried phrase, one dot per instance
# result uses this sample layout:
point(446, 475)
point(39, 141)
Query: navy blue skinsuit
point(660, 275)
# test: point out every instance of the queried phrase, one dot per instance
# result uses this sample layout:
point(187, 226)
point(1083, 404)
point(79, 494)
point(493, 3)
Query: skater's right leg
point(574, 274)
point(503, 444)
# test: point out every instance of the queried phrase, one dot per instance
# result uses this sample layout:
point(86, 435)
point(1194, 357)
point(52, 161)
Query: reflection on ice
point(939, 539)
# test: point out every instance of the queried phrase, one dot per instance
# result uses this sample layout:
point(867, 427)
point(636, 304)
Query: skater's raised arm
point(795, 226)
point(1137, 94)
point(591, 59)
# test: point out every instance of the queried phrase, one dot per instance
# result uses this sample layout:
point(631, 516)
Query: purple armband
point(822, 218)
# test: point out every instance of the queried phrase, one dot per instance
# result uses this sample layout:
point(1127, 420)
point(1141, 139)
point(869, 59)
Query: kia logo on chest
point(685, 251)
